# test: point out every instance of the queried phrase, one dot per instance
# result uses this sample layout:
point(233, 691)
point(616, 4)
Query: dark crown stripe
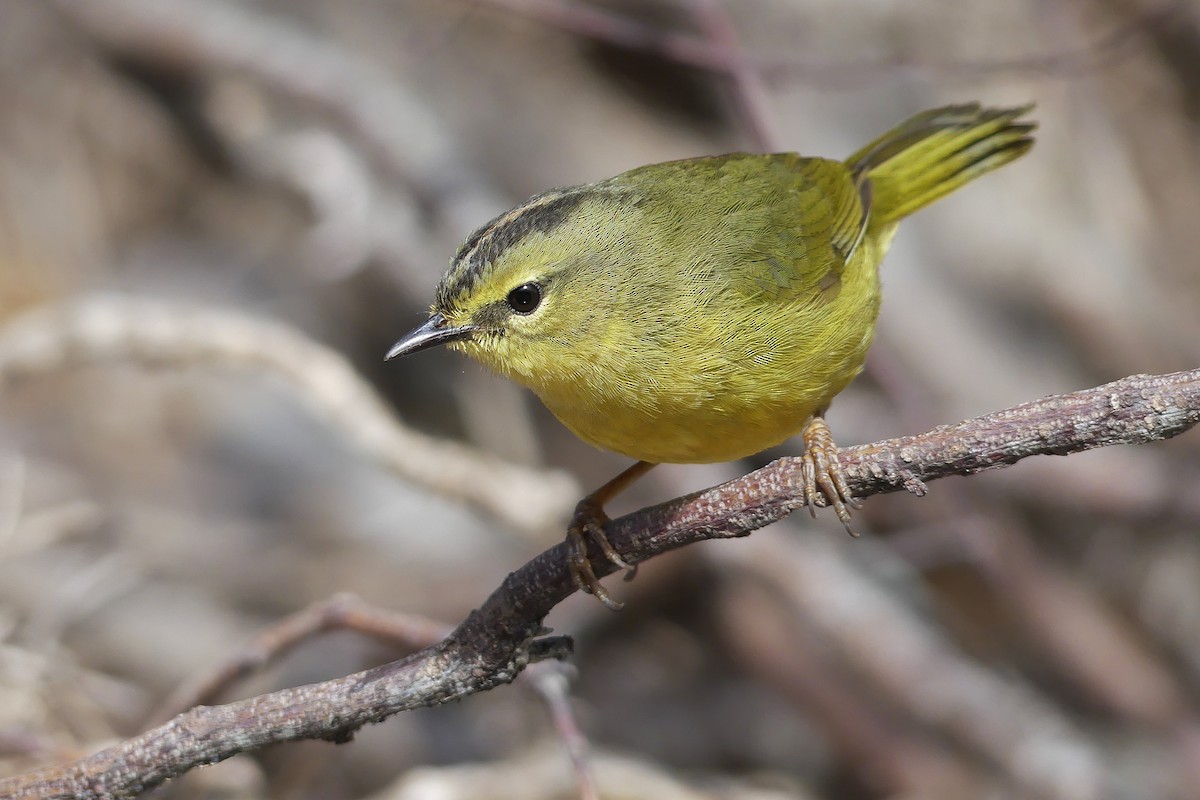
point(540, 214)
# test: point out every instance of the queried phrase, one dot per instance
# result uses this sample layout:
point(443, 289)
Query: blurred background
point(216, 216)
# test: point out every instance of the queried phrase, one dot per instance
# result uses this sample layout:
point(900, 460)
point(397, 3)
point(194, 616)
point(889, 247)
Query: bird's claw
point(822, 473)
point(588, 523)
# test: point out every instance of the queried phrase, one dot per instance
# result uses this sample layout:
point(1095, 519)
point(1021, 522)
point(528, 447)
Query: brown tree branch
point(500, 638)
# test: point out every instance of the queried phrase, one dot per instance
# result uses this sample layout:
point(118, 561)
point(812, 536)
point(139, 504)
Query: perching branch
point(499, 639)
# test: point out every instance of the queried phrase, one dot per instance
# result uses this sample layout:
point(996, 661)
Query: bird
point(704, 309)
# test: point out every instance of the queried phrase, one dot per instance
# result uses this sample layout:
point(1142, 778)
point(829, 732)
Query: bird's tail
point(936, 152)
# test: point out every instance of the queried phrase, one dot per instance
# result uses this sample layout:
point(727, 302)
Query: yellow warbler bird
point(704, 310)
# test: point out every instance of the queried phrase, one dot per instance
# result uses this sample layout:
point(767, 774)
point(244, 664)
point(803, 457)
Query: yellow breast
point(733, 379)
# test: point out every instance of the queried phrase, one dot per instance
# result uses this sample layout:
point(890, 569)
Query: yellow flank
point(703, 310)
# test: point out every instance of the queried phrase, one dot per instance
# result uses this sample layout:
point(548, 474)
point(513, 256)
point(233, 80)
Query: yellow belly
point(727, 391)
point(696, 436)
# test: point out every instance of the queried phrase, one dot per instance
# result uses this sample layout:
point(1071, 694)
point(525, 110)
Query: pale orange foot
point(822, 472)
point(588, 523)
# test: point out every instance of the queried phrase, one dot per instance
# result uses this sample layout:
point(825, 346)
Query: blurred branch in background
point(724, 56)
point(391, 127)
point(111, 329)
point(195, 193)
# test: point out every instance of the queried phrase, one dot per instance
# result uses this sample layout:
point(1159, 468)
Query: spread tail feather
point(936, 152)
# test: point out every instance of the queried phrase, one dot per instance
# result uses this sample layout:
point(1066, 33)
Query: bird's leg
point(822, 471)
point(589, 522)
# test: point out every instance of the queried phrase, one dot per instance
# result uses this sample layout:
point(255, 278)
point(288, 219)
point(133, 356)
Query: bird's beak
point(434, 331)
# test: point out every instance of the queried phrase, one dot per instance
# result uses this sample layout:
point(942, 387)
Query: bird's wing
point(797, 223)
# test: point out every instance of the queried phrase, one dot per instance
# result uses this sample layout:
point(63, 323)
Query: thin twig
point(343, 611)
point(499, 639)
point(551, 681)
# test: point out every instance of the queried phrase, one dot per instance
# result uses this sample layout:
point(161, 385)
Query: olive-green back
point(789, 225)
point(785, 225)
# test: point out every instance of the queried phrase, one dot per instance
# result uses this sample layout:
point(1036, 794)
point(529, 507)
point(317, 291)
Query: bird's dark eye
point(525, 298)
